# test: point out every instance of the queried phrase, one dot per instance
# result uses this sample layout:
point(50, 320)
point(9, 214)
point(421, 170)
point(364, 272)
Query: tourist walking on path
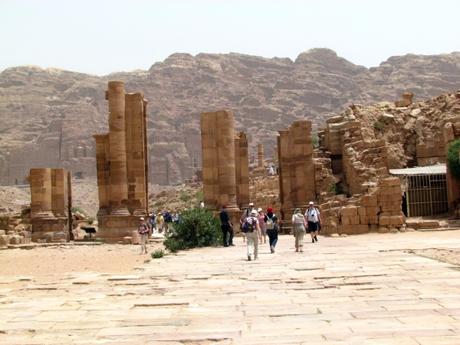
point(263, 229)
point(298, 227)
point(251, 228)
point(226, 226)
point(244, 216)
point(159, 220)
point(313, 217)
point(151, 222)
point(143, 231)
point(271, 224)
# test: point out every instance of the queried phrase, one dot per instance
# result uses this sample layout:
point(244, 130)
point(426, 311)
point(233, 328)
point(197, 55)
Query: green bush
point(158, 254)
point(185, 197)
point(379, 126)
point(315, 140)
point(453, 161)
point(197, 228)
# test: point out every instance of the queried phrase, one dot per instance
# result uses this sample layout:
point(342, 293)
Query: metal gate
point(426, 195)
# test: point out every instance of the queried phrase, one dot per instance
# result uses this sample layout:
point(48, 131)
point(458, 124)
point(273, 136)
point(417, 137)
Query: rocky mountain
point(48, 116)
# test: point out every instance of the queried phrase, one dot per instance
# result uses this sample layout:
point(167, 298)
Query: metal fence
point(426, 195)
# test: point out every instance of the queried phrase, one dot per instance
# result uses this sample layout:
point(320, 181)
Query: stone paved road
point(354, 290)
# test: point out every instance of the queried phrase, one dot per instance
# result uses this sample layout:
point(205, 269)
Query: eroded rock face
point(47, 116)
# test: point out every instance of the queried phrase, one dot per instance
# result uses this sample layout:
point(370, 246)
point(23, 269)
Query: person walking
point(226, 226)
point(159, 220)
point(298, 226)
point(313, 217)
point(143, 231)
point(251, 229)
point(151, 222)
point(244, 216)
point(271, 224)
point(263, 229)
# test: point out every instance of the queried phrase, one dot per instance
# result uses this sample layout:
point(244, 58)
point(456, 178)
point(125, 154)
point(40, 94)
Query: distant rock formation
point(48, 116)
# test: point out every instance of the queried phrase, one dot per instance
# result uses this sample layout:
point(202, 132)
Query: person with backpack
point(298, 227)
point(143, 231)
point(226, 227)
point(246, 214)
point(271, 224)
point(251, 228)
point(313, 217)
point(151, 222)
point(263, 230)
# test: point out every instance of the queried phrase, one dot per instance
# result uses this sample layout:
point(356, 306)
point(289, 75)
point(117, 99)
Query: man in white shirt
point(313, 220)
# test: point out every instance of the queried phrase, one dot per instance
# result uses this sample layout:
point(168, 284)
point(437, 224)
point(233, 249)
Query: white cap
point(311, 203)
point(254, 212)
point(259, 210)
point(251, 204)
point(142, 218)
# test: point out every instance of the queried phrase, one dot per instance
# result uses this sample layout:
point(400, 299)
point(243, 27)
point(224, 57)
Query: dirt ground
point(49, 262)
point(451, 256)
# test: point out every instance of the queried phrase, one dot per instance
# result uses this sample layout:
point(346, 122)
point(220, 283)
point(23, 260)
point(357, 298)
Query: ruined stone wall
point(242, 170)
point(296, 168)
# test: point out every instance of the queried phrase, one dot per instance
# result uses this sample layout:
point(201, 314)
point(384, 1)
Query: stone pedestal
point(296, 169)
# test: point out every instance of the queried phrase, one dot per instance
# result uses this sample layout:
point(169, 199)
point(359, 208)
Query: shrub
point(185, 197)
point(315, 140)
point(453, 161)
point(378, 125)
point(158, 254)
point(198, 228)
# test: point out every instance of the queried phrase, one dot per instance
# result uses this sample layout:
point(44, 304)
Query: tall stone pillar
point(40, 191)
point(146, 156)
point(102, 165)
point(242, 170)
point(296, 168)
point(135, 153)
point(260, 155)
point(59, 192)
point(117, 152)
point(219, 172)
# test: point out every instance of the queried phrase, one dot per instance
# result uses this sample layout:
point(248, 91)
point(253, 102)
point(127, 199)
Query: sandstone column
point(117, 152)
point(146, 156)
point(103, 182)
point(210, 159)
point(59, 192)
point(260, 155)
point(284, 175)
point(40, 191)
point(242, 170)
point(219, 175)
point(135, 153)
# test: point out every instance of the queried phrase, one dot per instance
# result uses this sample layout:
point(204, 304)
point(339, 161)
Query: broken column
point(136, 154)
point(242, 170)
point(260, 156)
point(219, 173)
point(49, 189)
point(296, 168)
point(122, 169)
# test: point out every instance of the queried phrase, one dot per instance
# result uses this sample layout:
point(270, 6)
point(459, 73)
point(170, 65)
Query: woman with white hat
point(298, 226)
point(251, 229)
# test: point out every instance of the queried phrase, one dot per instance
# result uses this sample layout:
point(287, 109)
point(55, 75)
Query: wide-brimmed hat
point(259, 210)
point(297, 210)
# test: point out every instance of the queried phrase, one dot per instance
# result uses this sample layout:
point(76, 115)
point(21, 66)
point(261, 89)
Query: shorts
point(312, 227)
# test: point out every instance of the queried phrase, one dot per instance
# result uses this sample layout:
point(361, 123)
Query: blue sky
point(101, 36)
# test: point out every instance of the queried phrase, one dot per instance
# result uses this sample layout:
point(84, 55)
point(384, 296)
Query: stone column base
point(113, 228)
point(50, 229)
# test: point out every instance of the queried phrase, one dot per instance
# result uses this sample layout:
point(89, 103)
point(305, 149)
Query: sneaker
point(249, 257)
point(316, 238)
point(272, 249)
point(313, 240)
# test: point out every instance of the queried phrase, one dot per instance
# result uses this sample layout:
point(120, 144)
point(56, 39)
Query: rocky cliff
point(48, 116)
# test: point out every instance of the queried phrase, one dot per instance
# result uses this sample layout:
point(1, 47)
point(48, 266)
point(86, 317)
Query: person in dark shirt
point(226, 226)
point(271, 223)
